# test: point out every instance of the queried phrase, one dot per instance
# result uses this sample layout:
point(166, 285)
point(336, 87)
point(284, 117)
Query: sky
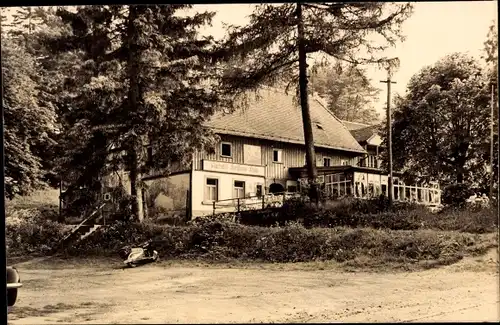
point(435, 30)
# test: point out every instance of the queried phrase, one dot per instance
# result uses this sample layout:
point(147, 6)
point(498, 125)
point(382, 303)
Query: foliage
point(222, 241)
point(26, 20)
point(491, 54)
point(348, 92)
point(142, 76)
point(273, 48)
point(32, 231)
point(438, 130)
point(37, 80)
point(267, 47)
point(372, 213)
point(456, 194)
point(27, 120)
point(491, 58)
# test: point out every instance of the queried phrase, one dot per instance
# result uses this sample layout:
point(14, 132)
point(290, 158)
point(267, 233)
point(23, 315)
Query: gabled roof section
point(351, 126)
point(364, 134)
point(274, 115)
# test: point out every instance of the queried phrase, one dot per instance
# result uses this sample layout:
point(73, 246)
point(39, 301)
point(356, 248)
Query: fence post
point(238, 205)
point(263, 202)
point(213, 203)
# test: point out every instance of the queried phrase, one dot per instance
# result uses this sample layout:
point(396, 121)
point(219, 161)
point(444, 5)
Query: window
point(370, 161)
point(225, 149)
point(150, 154)
point(212, 189)
point(343, 162)
point(291, 189)
point(327, 162)
point(277, 155)
point(258, 191)
point(239, 190)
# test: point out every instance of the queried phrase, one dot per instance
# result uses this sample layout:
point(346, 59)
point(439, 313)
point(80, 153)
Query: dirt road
point(187, 293)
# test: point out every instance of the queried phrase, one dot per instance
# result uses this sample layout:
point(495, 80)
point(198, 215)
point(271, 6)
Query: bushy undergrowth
point(456, 194)
point(346, 231)
point(374, 214)
point(31, 232)
point(221, 240)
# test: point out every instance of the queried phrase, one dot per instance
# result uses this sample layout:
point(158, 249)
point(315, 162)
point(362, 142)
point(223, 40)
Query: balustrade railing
point(403, 193)
point(271, 200)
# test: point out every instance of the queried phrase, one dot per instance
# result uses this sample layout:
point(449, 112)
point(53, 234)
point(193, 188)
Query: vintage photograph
point(294, 162)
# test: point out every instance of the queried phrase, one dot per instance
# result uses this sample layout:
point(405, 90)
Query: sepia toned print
point(248, 163)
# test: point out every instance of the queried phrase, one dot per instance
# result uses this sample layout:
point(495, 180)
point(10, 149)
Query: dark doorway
point(276, 188)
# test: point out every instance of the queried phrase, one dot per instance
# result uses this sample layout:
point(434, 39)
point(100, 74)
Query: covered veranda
point(367, 183)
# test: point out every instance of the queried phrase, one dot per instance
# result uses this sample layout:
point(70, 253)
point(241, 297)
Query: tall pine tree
point(47, 73)
point(277, 43)
point(143, 77)
point(27, 121)
point(30, 114)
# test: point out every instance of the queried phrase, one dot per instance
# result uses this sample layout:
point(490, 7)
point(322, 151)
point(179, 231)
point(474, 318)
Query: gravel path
point(189, 293)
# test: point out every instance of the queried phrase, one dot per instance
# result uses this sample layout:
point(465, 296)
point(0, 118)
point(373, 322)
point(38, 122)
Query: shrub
point(373, 213)
point(456, 194)
point(29, 231)
point(221, 240)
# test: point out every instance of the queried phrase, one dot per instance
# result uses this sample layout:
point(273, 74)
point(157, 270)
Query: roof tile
point(275, 115)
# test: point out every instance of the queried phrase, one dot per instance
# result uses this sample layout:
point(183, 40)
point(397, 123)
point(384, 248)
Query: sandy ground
point(190, 293)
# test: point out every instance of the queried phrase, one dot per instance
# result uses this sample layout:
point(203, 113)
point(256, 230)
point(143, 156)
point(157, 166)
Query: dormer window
point(319, 126)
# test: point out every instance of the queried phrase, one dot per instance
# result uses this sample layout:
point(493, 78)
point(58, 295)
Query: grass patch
point(29, 233)
point(214, 241)
point(39, 198)
point(376, 214)
point(357, 234)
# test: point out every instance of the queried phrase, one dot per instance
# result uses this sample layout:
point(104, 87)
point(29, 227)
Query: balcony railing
point(271, 200)
point(427, 196)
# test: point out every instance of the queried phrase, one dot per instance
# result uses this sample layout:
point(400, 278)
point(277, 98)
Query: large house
point(262, 152)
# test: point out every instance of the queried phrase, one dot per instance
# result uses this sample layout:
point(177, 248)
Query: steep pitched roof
point(363, 134)
point(274, 115)
point(351, 126)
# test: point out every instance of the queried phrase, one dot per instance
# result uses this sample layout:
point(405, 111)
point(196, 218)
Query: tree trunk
point(135, 187)
point(306, 116)
point(133, 96)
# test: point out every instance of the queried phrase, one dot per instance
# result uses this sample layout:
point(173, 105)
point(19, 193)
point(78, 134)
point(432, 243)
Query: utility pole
point(389, 132)
point(492, 142)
